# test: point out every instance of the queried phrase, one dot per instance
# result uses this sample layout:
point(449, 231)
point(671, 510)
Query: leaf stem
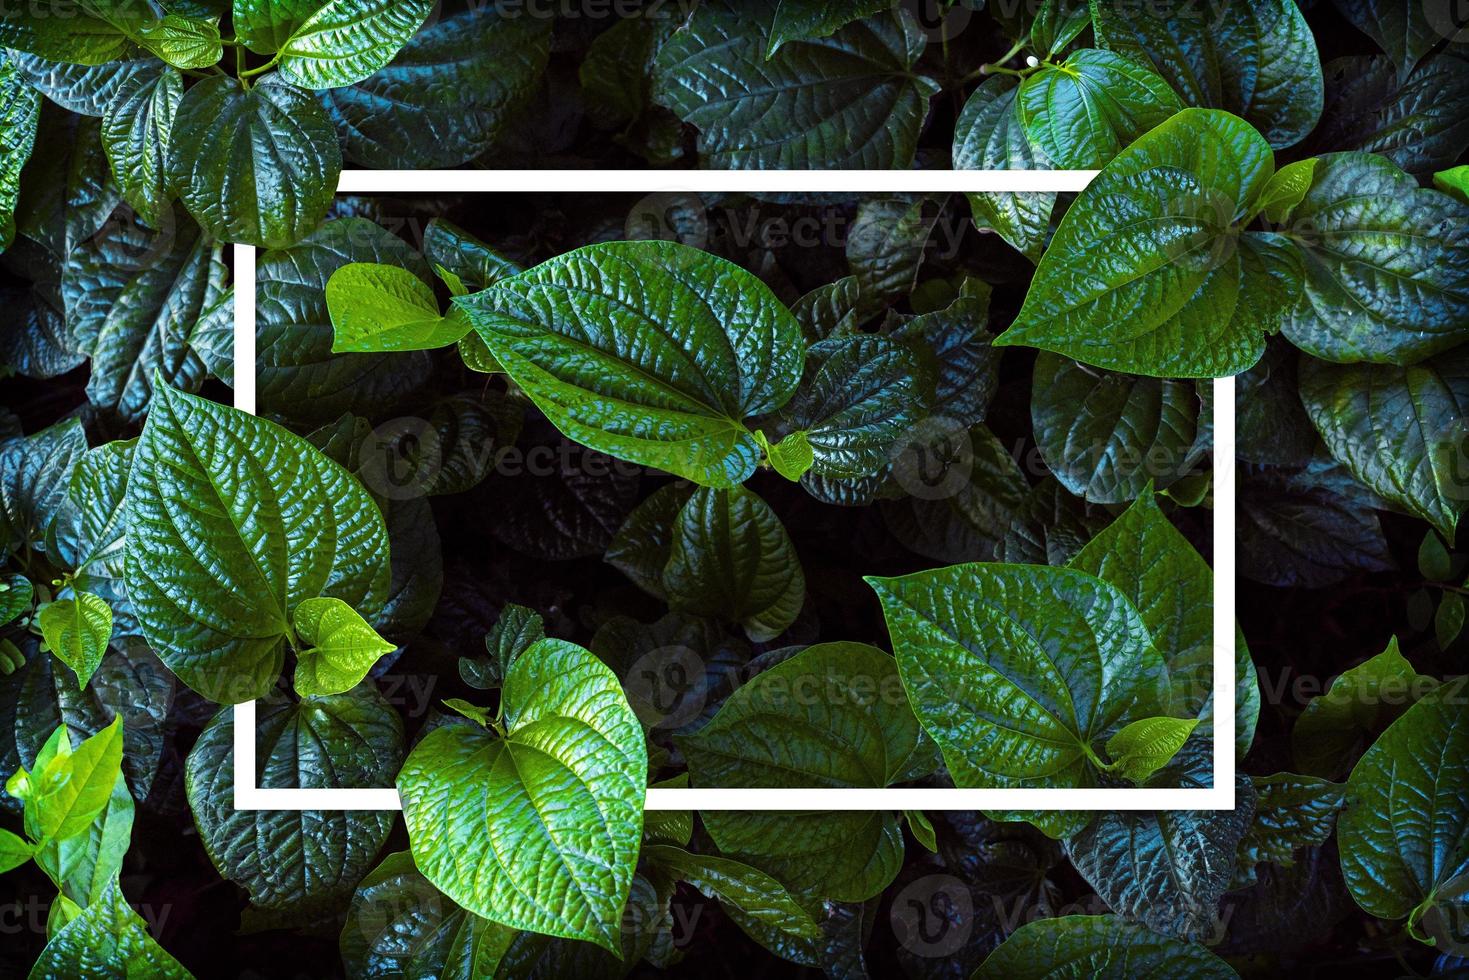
point(252, 72)
point(1448, 587)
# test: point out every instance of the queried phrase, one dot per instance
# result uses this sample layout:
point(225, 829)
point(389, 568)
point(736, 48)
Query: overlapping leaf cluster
point(772, 463)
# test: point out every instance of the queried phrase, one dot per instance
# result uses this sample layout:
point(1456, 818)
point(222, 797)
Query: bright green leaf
point(653, 352)
point(78, 630)
point(16, 595)
point(1106, 947)
point(108, 939)
point(183, 42)
point(343, 41)
point(1286, 188)
point(792, 457)
point(213, 585)
point(377, 307)
point(1454, 181)
point(341, 647)
point(540, 829)
point(1144, 746)
point(72, 787)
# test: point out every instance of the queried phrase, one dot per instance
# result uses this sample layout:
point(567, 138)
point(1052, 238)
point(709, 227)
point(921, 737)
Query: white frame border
point(1219, 796)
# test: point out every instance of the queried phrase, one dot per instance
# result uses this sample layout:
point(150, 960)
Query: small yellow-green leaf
point(343, 647)
point(1454, 182)
point(184, 42)
point(480, 716)
point(74, 785)
point(377, 307)
point(1146, 745)
point(791, 457)
point(77, 631)
point(14, 851)
point(922, 829)
point(1286, 188)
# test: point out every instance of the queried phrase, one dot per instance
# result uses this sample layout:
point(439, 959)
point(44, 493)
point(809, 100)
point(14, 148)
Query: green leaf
point(1361, 702)
point(1286, 188)
point(340, 42)
point(475, 264)
point(1384, 279)
point(214, 573)
point(89, 530)
point(1021, 692)
point(833, 715)
point(1404, 836)
point(952, 343)
point(922, 829)
point(108, 939)
point(78, 630)
point(298, 375)
point(792, 457)
point(183, 42)
point(1082, 112)
point(77, 33)
point(257, 167)
point(1454, 181)
point(85, 865)
point(20, 111)
point(642, 545)
point(82, 89)
point(1144, 746)
point(297, 860)
point(1057, 23)
point(516, 631)
point(829, 310)
point(14, 851)
point(1448, 621)
point(1257, 60)
point(990, 136)
point(731, 557)
point(1434, 562)
point(1102, 946)
point(851, 100)
point(62, 911)
point(560, 798)
point(1271, 425)
point(653, 352)
point(67, 192)
point(16, 595)
point(1310, 527)
point(35, 472)
point(1144, 274)
point(748, 889)
point(616, 74)
point(447, 96)
point(342, 647)
point(857, 397)
point(1399, 430)
point(72, 787)
point(1168, 869)
point(134, 297)
point(399, 925)
point(1292, 812)
point(1107, 436)
point(1412, 121)
point(811, 20)
point(886, 246)
point(1401, 30)
point(377, 307)
point(137, 127)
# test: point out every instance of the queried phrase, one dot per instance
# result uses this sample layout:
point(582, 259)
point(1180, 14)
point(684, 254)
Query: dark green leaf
point(257, 167)
point(811, 20)
point(298, 375)
point(851, 100)
point(1400, 28)
point(1405, 834)
point(20, 110)
point(1292, 812)
point(35, 474)
point(833, 715)
point(990, 136)
point(1271, 424)
point(748, 889)
point(299, 860)
point(107, 939)
point(1384, 263)
point(1258, 60)
point(886, 245)
point(447, 96)
point(1360, 703)
point(1107, 436)
point(1399, 430)
point(643, 544)
point(66, 189)
point(731, 557)
point(137, 126)
point(83, 89)
point(1169, 869)
point(78, 33)
point(1100, 946)
point(1412, 122)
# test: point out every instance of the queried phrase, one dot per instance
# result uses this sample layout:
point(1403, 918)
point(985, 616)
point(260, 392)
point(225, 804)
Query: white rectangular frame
point(1219, 796)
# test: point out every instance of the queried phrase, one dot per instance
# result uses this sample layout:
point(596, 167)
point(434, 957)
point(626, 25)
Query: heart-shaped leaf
point(342, 647)
point(1100, 946)
point(537, 829)
point(376, 307)
point(214, 585)
point(653, 352)
point(78, 630)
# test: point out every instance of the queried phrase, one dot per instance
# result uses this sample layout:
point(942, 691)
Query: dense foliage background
point(125, 182)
